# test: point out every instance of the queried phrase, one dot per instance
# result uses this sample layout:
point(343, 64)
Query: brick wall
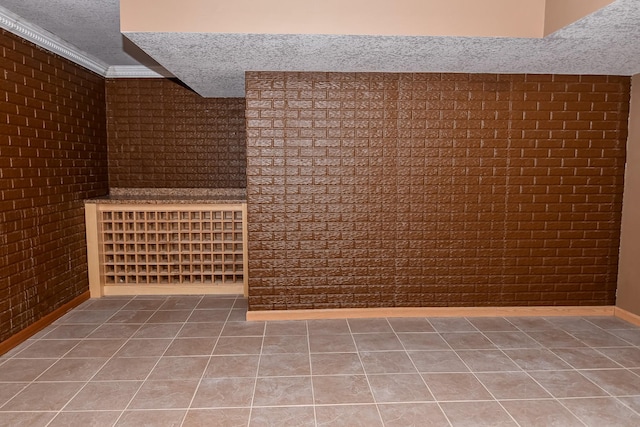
point(369, 190)
point(53, 155)
point(162, 134)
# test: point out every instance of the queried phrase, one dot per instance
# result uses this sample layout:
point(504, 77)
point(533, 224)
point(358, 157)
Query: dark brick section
point(162, 134)
point(370, 190)
point(53, 155)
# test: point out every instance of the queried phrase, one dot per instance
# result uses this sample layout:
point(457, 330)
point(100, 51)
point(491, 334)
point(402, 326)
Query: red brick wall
point(369, 190)
point(53, 155)
point(162, 134)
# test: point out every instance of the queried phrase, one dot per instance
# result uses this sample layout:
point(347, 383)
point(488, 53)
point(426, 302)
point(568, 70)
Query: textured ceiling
point(606, 42)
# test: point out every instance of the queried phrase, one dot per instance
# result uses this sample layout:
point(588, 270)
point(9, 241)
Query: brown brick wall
point(369, 190)
point(53, 155)
point(162, 134)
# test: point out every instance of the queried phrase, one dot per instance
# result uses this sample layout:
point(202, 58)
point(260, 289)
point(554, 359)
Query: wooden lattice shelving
point(169, 248)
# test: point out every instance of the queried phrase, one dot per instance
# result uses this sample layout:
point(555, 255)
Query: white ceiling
point(606, 42)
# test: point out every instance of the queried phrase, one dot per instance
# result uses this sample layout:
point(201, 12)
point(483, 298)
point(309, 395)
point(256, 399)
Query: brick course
point(369, 190)
point(163, 135)
point(53, 155)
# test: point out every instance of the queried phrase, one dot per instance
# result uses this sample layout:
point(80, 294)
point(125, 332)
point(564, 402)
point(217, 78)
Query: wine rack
point(170, 248)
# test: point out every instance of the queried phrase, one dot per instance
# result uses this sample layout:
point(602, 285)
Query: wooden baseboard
point(36, 327)
point(354, 313)
point(628, 316)
point(131, 290)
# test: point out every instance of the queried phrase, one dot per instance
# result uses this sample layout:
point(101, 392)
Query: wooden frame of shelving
point(168, 249)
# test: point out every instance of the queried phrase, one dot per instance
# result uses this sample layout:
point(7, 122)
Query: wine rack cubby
point(167, 249)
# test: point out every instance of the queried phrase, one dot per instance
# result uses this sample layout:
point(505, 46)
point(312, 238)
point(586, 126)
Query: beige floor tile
point(331, 343)
point(388, 388)
point(297, 416)
point(367, 326)
point(410, 324)
point(226, 417)
point(232, 366)
point(617, 382)
point(238, 345)
point(341, 389)
point(628, 357)
point(328, 327)
point(348, 415)
point(8, 390)
point(158, 330)
point(114, 331)
point(599, 339)
point(49, 396)
point(512, 339)
point(512, 385)
point(130, 317)
point(437, 361)
point(556, 338)
point(286, 328)
point(477, 414)
point(224, 393)
point(541, 413)
point(422, 341)
point(62, 332)
point(151, 418)
point(387, 362)
point(452, 324)
point(104, 395)
point(412, 415)
point(456, 386)
point(531, 323)
point(191, 347)
point(126, 368)
point(43, 349)
point(467, 341)
point(182, 302)
point(285, 344)
point(604, 411)
point(243, 329)
point(25, 370)
point(287, 364)
point(584, 358)
point(492, 324)
point(377, 342)
point(631, 336)
point(632, 402)
point(70, 369)
point(144, 348)
point(609, 323)
point(27, 419)
point(536, 359)
point(487, 361)
point(170, 316)
point(563, 384)
point(201, 330)
point(185, 367)
point(215, 302)
point(167, 394)
point(282, 391)
point(96, 348)
point(336, 364)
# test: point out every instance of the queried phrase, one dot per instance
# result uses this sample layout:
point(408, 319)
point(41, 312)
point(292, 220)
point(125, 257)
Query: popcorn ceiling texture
point(605, 42)
point(162, 135)
point(369, 190)
point(53, 155)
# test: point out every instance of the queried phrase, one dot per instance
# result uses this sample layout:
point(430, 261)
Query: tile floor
point(194, 361)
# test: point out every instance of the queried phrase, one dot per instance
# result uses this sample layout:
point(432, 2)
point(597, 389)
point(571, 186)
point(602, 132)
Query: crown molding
point(136, 71)
point(46, 40)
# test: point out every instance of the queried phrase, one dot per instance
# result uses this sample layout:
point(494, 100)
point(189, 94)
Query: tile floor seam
point(142, 383)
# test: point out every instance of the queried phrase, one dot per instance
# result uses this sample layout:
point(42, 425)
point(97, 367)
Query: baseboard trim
point(627, 315)
point(361, 313)
point(37, 326)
